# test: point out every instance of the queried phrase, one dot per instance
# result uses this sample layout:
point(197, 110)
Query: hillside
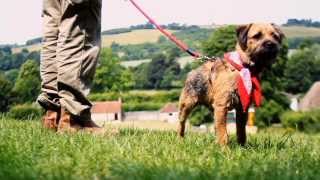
point(133, 37)
point(299, 31)
point(151, 35)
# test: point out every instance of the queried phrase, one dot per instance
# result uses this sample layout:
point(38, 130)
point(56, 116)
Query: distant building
point(107, 111)
point(312, 99)
point(169, 113)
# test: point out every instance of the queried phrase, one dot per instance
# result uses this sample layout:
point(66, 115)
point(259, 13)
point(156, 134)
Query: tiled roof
point(170, 108)
point(107, 107)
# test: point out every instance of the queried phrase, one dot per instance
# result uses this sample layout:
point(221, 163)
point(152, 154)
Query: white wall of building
point(169, 117)
point(142, 116)
point(106, 116)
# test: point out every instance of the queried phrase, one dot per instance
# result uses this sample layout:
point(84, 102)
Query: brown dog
point(214, 84)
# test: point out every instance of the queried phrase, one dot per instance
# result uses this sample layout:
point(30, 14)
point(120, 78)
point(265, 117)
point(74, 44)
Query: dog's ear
point(242, 35)
point(279, 31)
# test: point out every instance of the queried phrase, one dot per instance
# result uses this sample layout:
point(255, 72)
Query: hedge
point(25, 112)
point(302, 121)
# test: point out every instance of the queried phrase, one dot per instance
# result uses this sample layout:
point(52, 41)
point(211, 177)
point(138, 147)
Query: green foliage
point(5, 92)
point(303, 68)
point(116, 31)
point(200, 115)
point(295, 43)
point(140, 76)
point(27, 85)
point(143, 106)
point(139, 101)
point(28, 151)
point(14, 61)
point(138, 96)
point(160, 73)
point(221, 41)
point(156, 71)
point(191, 35)
point(12, 75)
point(110, 75)
point(269, 113)
point(302, 121)
point(25, 112)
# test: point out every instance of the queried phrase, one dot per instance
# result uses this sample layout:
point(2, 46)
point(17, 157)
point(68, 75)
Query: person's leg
point(78, 51)
point(48, 98)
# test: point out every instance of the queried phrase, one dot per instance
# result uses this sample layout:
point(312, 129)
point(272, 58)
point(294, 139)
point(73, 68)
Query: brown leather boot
point(67, 123)
point(50, 120)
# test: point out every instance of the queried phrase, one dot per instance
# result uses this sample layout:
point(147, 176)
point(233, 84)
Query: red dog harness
point(249, 87)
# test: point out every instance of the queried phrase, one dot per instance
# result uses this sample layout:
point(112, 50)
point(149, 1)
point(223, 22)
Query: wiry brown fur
point(214, 83)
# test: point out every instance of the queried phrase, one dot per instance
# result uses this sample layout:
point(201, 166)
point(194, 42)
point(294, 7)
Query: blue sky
point(20, 19)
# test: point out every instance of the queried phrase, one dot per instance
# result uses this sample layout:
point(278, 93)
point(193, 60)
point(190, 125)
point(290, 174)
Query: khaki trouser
point(70, 50)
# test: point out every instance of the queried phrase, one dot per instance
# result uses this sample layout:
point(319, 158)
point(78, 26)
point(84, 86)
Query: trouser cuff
point(49, 102)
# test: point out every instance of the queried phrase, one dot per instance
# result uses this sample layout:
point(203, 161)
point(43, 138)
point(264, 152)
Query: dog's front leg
point(220, 123)
point(241, 120)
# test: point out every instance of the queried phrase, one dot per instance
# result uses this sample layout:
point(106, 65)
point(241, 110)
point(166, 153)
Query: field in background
point(29, 152)
point(298, 31)
point(149, 35)
point(133, 37)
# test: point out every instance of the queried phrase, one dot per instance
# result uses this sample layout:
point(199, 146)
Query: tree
point(27, 86)
point(5, 91)
point(303, 69)
point(156, 71)
point(160, 73)
point(221, 41)
point(110, 75)
point(12, 75)
point(140, 76)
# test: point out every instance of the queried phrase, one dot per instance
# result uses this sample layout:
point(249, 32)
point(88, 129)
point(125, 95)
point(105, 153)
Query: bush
point(145, 106)
point(139, 100)
point(269, 113)
point(25, 112)
point(302, 121)
point(138, 96)
point(200, 115)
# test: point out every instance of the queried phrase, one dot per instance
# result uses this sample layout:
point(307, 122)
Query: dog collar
point(248, 84)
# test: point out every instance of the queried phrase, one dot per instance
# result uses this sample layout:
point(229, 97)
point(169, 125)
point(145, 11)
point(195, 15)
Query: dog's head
point(260, 42)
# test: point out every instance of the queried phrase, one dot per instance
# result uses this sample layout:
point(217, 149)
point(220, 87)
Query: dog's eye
point(257, 36)
point(275, 36)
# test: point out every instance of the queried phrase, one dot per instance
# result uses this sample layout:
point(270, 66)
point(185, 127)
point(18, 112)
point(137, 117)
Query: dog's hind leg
point(241, 121)
point(185, 108)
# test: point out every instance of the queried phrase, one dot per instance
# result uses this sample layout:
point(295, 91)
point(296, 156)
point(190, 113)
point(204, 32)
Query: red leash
point(174, 39)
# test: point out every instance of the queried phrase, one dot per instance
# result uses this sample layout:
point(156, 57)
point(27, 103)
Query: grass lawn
point(29, 152)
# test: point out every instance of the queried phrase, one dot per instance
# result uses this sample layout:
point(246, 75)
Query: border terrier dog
point(217, 84)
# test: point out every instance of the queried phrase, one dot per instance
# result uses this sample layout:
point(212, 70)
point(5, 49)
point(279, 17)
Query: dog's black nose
point(269, 44)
